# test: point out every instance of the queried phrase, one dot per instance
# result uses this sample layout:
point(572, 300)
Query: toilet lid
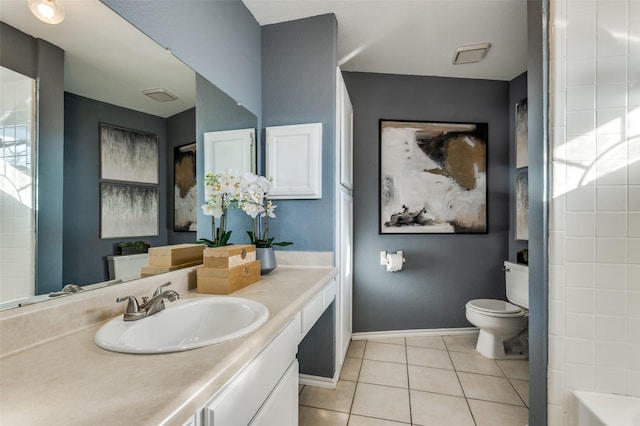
point(494, 306)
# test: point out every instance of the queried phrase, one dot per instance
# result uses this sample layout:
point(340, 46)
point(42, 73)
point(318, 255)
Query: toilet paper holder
point(385, 259)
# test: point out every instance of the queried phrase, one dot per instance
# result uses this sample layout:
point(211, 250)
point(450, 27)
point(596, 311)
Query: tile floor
point(435, 380)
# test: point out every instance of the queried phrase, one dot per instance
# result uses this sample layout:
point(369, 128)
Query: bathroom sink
point(184, 325)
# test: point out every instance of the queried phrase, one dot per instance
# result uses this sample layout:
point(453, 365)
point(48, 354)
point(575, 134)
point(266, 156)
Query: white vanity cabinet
point(265, 392)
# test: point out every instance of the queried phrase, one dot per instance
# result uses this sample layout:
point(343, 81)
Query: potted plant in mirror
point(125, 248)
point(221, 191)
point(256, 203)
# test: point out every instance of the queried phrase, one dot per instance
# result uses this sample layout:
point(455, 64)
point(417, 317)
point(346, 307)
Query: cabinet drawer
point(281, 408)
point(240, 401)
point(310, 314)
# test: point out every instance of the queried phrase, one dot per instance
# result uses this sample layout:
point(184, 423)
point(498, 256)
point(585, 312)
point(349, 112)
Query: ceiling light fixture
point(471, 53)
point(48, 11)
point(160, 95)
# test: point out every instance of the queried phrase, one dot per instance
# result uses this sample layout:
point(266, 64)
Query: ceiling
point(111, 61)
point(416, 37)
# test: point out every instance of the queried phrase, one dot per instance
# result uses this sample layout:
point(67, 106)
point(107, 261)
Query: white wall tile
point(611, 198)
point(580, 249)
point(633, 250)
point(581, 326)
point(611, 302)
point(581, 72)
point(557, 317)
point(581, 300)
point(612, 146)
point(582, 198)
point(634, 129)
point(555, 386)
point(556, 247)
point(557, 282)
point(556, 109)
point(611, 70)
point(611, 250)
point(555, 415)
point(556, 352)
point(580, 376)
point(611, 172)
point(611, 224)
point(611, 328)
point(581, 123)
point(611, 276)
point(611, 380)
point(612, 22)
point(581, 274)
point(557, 208)
point(634, 331)
point(612, 95)
point(581, 148)
point(633, 280)
point(580, 351)
point(633, 384)
point(633, 304)
point(633, 357)
point(634, 224)
point(633, 95)
point(634, 168)
point(581, 224)
point(611, 354)
point(581, 98)
point(611, 121)
point(559, 176)
point(557, 74)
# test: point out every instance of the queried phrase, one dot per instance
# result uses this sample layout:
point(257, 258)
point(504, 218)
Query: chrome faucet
point(149, 306)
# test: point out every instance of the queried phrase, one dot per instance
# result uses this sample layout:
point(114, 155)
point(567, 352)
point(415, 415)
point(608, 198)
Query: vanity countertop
point(69, 380)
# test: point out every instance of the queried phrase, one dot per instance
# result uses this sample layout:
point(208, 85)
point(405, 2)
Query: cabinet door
point(230, 149)
point(281, 407)
point(345, 206)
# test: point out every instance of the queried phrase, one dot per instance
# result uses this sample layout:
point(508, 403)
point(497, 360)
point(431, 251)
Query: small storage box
point(174, 255)
point(229, 256)
point(149, 270)
point(227, 281)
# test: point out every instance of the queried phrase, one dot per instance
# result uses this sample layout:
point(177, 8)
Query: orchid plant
point(256, 203)
point(221, 191)
point(249, 193)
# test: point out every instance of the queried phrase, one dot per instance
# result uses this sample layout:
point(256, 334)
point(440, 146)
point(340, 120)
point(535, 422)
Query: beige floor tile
point(338, 399)
point(370, 421)
point(472, 363)
point(492, 414)
point(385, 352)
point(434, 409)
point(429, 357)
point(308, 416)
point(389, 340)
point(384, 373)
point(434, 380)
point(382, 402)
point(522, 387)
point(461, 343)
point(489, 388)
point(432, 342)
point(351, 369)
point(300, 387)
point(356, 348)
point(515, 368)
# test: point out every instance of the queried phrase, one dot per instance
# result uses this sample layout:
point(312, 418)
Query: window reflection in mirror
point(17, 174)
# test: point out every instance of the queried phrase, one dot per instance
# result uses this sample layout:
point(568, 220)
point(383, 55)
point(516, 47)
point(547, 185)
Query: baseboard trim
point(318, 381)
point(413, 333)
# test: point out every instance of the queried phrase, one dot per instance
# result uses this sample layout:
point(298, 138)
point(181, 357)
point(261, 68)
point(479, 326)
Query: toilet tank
point(126, 267)
point(517, 283)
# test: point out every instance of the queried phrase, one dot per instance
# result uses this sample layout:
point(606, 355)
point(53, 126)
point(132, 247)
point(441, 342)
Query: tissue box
point(229, 280)
point(229, 256)
point(174, 255)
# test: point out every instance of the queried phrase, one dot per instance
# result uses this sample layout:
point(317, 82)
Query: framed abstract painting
point(433, 177)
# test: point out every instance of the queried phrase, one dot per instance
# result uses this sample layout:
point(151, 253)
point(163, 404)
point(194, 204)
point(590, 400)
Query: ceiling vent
point(471, 53)
point(160, 95)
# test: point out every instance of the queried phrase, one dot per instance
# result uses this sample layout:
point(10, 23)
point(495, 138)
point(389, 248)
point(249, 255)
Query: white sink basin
point(184, 325)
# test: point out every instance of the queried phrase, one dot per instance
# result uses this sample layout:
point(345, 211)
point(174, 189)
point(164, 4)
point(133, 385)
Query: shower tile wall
point(594, 239)
point(16, 190)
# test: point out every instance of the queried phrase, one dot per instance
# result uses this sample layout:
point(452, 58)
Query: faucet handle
point(159, 289)
point(133, 303)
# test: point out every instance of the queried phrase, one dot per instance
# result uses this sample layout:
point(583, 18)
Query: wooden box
point(227, 281)
point(177, 254)
point(229, 256)
point(149, 270)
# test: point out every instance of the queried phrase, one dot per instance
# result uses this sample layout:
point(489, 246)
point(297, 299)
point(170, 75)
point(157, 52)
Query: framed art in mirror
point(433, 177)
point(128, 155)
point(522, 204)
point(185, 208)
point(522, 138)
point(128, 210)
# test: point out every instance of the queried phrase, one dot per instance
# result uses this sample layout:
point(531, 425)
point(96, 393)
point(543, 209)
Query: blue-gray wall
point(442, 272)
point(537, 89)
point(298, 82)
point(220, 40)
point(216, 111)
point(43, 61)
point(517, 92)
point(84, 251)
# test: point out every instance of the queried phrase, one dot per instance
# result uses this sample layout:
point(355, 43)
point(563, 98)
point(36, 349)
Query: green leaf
point(282, 243)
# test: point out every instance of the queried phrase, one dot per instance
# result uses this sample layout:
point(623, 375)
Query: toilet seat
point(496, 308)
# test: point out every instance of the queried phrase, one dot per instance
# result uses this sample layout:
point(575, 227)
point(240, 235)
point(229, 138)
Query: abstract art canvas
point(185, 211)
point(128, 155)
point(522, 204)
point(522, 138)
point(128, 210)
point(433, 177)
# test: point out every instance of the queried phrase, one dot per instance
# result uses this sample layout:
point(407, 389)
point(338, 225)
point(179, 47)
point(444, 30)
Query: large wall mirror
point(106, 64)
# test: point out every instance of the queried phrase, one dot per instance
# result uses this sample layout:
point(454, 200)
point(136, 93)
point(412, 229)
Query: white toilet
point(500, 321)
